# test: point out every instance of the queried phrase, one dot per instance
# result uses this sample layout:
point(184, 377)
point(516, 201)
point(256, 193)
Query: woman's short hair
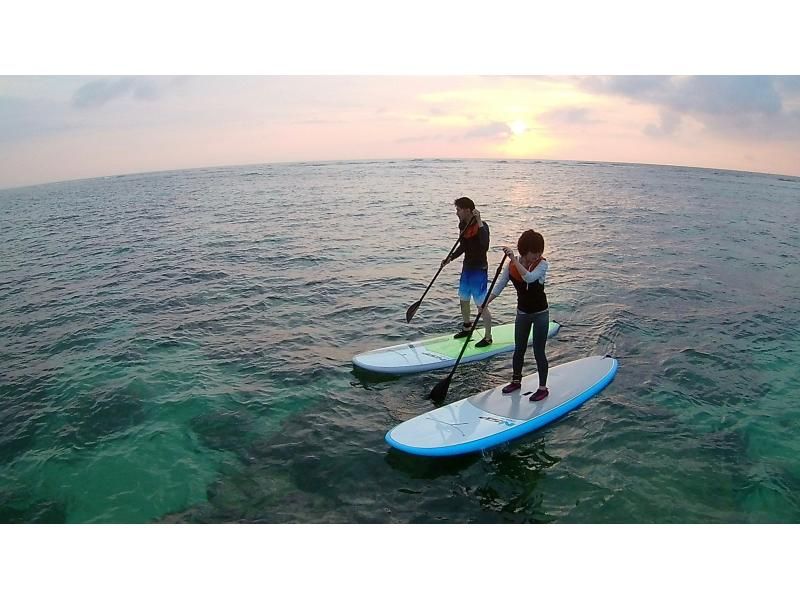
point(530, 241)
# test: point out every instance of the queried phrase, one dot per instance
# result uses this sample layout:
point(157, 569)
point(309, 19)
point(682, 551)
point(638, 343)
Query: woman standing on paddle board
point(474, 273)
point(527, 273)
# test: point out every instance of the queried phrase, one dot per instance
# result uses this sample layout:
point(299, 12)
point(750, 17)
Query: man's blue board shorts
point(473, 285)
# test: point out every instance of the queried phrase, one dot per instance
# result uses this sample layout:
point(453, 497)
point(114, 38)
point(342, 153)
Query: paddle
point(415, 306)
point(439, 391)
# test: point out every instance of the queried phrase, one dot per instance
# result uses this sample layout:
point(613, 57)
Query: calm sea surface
point(176, 346)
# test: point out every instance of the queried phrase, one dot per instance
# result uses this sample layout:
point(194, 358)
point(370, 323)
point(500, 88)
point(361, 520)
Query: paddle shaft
point(449, 253)
point(478, 317)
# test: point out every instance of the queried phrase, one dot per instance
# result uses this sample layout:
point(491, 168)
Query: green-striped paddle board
point(439, 352)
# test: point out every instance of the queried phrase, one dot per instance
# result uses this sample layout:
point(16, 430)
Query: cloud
point(102, 91)
point(495, 130)
point(320, 121)
point(421, 139)
point(22, 118)
point(670, 123)
point(636, 87)
point(568, 117)
point(701, 94)
point(39, 112)
point(789, 85)
point(734, 106)
point(727, 95)
point(492, 130)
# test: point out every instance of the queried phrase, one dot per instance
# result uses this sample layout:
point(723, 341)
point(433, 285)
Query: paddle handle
point(478, 317)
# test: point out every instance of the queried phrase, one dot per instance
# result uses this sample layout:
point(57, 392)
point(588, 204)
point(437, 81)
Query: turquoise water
point(176, 346)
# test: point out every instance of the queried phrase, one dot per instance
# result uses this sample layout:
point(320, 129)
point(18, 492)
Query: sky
point(66, 127)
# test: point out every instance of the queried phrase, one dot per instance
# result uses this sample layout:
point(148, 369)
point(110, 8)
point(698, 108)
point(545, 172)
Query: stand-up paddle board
point(439, 352)
point(491, 417)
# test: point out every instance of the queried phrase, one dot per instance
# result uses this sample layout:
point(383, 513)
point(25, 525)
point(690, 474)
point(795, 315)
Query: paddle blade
point(439, 392)
point(412, 310)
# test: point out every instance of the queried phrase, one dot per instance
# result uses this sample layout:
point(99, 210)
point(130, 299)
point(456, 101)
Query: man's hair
point(464, 202)
point(530, 241)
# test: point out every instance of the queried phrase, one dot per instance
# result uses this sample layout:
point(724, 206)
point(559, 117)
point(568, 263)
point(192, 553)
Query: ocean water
point(176, 346)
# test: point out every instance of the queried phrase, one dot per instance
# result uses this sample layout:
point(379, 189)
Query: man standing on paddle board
point(527, 272)
point(474, 272)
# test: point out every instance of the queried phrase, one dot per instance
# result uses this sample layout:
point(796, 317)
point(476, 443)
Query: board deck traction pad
point(441, 351)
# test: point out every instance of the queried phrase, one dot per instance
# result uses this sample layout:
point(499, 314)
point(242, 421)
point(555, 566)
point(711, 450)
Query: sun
point(518, 127)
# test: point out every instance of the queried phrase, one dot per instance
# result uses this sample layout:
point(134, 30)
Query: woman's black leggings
point(522, 330)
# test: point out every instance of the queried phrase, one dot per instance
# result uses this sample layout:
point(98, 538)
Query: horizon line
point(367, 160)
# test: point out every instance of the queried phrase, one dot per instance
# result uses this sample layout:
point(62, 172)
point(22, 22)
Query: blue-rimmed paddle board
point(490, 418)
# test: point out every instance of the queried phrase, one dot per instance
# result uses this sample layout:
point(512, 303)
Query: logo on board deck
point(434, 355)
point(496, 419)
point(454, 425)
